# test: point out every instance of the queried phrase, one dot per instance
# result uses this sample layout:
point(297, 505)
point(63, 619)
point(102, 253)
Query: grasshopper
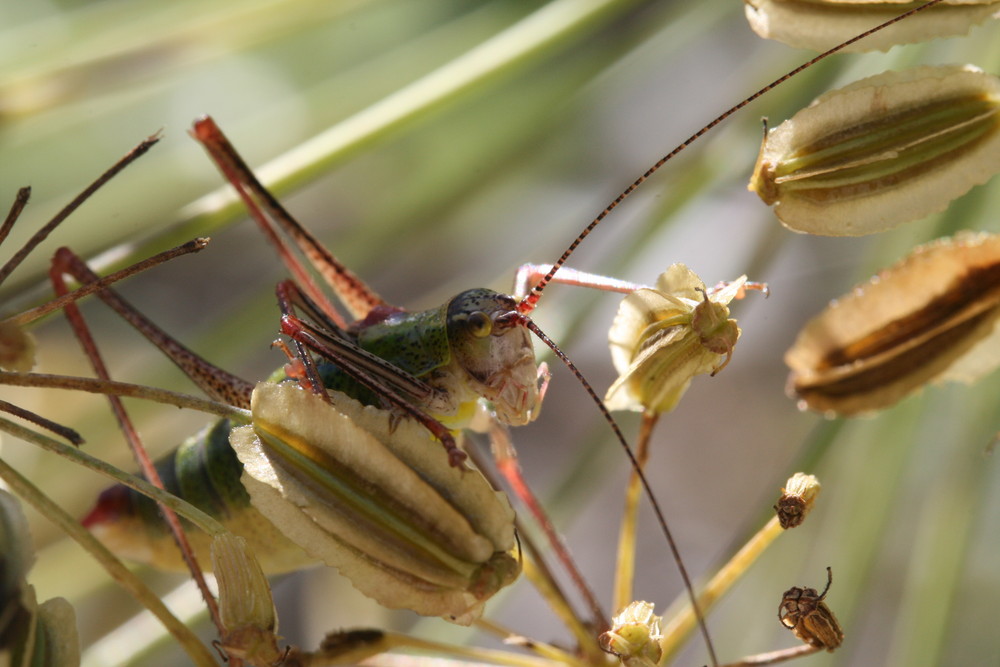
point(296, 299)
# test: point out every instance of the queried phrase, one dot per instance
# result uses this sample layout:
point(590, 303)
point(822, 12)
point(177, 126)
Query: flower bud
point(635, 636)
point(885, 150)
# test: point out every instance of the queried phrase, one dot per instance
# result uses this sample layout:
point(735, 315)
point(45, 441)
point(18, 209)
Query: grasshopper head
point(495, 352)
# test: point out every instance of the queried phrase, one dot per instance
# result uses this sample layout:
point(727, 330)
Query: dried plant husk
point(662, 338)
point(822, 24)
point(17, 348)
point(374, 495)
point(930, 318)
point(882, 151)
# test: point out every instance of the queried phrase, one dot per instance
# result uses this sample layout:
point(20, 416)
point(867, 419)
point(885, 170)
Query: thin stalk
point(31, 494)
point(625, 567)
point(182, 507)
point(93, 386)
point(677, 629)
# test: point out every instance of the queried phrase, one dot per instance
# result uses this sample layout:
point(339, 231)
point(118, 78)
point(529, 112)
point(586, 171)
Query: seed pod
point(17, 348)
point(885, 150)
point(40, 635)
point(803, 611)
point(930, 318)
point(374, 496)
point(635, 636)
point(822, 24)
point(663, 337)
point(246, 607)
point(796, 499)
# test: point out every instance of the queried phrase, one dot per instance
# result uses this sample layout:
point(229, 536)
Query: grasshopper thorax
point(489, 343)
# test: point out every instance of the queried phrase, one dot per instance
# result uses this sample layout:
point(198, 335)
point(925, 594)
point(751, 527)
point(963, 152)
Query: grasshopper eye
point(479, 323)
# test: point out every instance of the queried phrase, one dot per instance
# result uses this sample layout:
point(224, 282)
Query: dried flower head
point(663, 337)
point(797, 499)
point(803, 611)
point(635, 636)
point(17, 348)
point(885, 150)
point(375, 496)
point(822, 24)
point(930, 318)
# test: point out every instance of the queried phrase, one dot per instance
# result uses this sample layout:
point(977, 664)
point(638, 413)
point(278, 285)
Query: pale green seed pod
point(661, 338)
point(31, 634)
point(933, 317)
point(246, 607)
point(823, 24)
point(882, 151)
point(635, 636)
point(374, 495)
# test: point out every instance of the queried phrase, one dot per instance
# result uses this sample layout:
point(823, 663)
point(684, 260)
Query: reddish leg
point(214, 381)
point(358, 298)
point(398, 388)
point(66, 262)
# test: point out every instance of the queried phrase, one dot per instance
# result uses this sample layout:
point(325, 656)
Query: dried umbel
point(882, 151)
point(797, 499)
point(930, 318)
point(803, 611)
point(374, 495)
point(663, 337)
point(822, 24)
point(635, 636)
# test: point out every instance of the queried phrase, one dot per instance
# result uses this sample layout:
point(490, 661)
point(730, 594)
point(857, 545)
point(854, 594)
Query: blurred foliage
point(506, 169)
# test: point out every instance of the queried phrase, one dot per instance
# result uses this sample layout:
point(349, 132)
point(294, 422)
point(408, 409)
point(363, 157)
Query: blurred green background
point(569, 105)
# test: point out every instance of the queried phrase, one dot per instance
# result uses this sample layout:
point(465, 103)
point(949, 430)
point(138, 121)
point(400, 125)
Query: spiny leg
point(214, 381)
point(353, 292)
point(66, 262)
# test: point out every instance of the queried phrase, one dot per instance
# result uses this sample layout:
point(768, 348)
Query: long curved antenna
point(529, 302)
point(661, 518)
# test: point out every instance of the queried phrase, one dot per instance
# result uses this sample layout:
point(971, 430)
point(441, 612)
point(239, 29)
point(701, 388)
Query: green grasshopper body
point(455, 350)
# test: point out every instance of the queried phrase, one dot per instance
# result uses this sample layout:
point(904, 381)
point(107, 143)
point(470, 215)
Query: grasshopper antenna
point(529, 302)
point(525, 321)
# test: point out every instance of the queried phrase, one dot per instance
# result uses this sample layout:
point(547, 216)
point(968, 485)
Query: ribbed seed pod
point(930, 318)
point(822, 24)
point(882, 151)
point(375, 496)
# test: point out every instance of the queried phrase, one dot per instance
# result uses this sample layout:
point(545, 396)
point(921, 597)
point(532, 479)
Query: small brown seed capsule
point(796, 499)
point(803, 611)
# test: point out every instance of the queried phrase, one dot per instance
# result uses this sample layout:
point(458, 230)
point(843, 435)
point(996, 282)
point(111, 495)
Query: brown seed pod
point(930, 318)
point(797, 499)
point(803, 611)
point(822, 24)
